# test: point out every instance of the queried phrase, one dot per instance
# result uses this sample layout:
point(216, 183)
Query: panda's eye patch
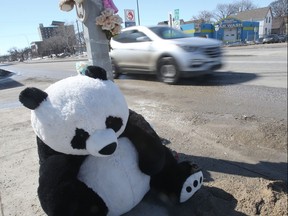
point(114, 123)
point(79, 140)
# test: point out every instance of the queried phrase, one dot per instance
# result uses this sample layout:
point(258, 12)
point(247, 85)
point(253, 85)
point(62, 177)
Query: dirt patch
point(256, 196)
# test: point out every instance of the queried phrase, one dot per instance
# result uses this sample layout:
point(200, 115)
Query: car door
point(133, 51)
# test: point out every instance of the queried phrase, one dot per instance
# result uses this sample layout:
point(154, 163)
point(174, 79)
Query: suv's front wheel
point(115, 70)
point(167, 70)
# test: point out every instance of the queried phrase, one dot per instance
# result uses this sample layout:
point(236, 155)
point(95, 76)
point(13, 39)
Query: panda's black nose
point(109, 149)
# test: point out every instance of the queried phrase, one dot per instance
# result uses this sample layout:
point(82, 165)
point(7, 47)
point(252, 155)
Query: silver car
point(164, 51)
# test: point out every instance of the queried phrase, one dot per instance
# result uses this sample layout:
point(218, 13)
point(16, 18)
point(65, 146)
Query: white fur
point(77, 102)
point(117, 178)
point(99, 140)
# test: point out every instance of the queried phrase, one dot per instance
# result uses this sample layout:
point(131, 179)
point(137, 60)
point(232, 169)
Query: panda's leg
point(177, 181)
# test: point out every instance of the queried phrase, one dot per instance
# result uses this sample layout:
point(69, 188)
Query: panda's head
point(78, 115)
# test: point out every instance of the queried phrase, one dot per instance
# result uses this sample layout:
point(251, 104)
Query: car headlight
point(188, 48)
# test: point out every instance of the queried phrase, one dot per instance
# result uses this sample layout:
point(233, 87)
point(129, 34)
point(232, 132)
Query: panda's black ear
point(32, 97)
point(96, 72)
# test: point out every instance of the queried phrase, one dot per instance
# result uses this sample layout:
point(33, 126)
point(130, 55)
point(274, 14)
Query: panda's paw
point(192, 184)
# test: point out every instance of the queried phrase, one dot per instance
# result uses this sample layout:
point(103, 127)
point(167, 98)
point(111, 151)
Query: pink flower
point(109, 4)
point(110, 23)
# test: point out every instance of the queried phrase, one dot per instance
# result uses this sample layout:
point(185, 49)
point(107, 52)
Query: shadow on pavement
point(263, 169)
point(213, 79)
point(143, 77)
point(9, 83)
point(5, 80)
point(219, 79)
point(210, 200)
point(207, 201)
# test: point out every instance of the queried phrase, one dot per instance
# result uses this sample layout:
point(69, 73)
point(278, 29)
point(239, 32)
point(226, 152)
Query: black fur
point(61, 193)
point(114, 123)
point(32, 97)
point(152, 155)
point(96, 72)
point(79, 140)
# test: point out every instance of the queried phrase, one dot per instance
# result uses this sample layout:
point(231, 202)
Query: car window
point(132, 36)
point(168, 33)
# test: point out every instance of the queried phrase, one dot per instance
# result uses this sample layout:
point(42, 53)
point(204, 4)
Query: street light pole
point(138, 13)
point(79, 38)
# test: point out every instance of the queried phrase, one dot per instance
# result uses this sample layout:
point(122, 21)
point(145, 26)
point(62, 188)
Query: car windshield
point(167, 32)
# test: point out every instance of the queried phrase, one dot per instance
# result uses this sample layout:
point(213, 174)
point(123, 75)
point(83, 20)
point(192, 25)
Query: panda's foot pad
point(192, 184)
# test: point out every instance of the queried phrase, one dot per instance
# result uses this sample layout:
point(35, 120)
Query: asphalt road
point(249, 73)
point(233, 123)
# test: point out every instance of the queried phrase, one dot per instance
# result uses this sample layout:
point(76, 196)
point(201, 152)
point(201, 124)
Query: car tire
point(167, 70)
point(115, 70)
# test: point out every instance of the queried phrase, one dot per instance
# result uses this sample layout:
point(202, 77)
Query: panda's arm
point(44, 151)
point(61, 193)
point(147, 143)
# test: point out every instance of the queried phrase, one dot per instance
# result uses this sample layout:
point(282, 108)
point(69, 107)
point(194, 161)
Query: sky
point(19, 20)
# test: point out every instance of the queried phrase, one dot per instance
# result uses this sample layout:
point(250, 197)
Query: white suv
point(164, 51)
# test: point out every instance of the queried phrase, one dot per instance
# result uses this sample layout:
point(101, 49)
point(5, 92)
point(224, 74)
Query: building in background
point(36, 48)
point(228, 30)
point(189, 27)
point(279, 25)
point(56, 38)
point(50, 31)
point(234, 30)
point(261, 15)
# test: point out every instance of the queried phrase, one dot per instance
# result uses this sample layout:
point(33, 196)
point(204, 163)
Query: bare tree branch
point(204, 16)
point(224, 10)
point(279, 8)
point(244, 5)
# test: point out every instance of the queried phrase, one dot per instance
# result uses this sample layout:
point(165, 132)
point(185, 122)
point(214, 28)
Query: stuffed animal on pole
point(68, 5)
point(96, 156)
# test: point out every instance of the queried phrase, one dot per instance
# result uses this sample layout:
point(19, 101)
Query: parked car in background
point(273, 38)
point(167, 52)
point(259, 40)
point(282, 38)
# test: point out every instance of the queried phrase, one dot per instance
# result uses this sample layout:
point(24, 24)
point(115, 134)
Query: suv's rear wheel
point(115, 70)
point(168, 71)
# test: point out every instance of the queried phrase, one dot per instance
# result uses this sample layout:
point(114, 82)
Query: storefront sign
point(231, 23)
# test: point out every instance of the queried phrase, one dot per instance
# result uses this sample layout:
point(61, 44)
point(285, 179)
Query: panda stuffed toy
point(96, 156)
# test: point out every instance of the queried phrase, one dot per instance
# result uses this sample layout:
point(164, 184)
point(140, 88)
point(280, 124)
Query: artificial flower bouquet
point(110, 23)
